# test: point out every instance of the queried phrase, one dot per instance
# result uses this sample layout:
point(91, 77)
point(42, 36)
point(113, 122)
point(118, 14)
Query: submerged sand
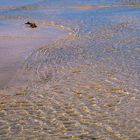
point(75, 77)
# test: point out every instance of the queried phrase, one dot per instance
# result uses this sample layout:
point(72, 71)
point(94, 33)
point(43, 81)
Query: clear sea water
point(76, 76)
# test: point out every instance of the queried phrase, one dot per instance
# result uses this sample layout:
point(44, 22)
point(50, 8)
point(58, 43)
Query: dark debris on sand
point(31, 24)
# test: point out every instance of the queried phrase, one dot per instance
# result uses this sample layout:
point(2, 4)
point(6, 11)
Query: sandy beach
point(75, 76)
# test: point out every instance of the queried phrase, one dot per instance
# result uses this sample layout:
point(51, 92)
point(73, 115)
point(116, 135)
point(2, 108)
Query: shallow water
point(76, 76)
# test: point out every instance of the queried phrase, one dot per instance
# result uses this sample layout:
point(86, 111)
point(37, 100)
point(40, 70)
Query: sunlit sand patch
point(85, 7)
point(88, 7)
point(134, 5)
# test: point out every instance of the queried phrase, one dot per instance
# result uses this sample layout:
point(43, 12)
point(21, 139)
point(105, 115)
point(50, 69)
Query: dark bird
point(31, 24)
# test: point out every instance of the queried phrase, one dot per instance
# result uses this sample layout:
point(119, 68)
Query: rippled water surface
point(76, 76)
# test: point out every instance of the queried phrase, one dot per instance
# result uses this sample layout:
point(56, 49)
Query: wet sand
point(18, 41)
